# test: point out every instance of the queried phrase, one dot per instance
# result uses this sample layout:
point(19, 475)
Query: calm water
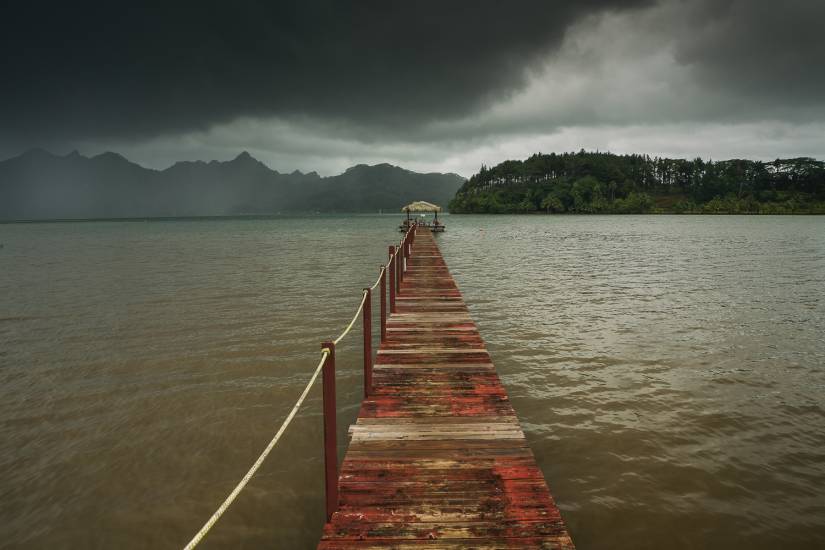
point(669, 373)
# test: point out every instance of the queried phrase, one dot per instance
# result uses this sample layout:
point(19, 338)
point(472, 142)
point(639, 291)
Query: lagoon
point(668, 372)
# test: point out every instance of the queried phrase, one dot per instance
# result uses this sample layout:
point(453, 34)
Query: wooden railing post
point(330, 433)
point(399, 268)
point(367, 317)
point(393, 270)
point(383, 288)
point(401, 251)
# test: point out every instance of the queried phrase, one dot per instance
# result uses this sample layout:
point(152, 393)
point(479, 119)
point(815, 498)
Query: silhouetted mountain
point(361, 187)
point(38, 185)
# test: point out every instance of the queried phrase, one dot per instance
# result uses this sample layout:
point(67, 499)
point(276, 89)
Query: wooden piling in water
point(366, 317)
point(393, 274)
point(330, 431)
point(383, 290)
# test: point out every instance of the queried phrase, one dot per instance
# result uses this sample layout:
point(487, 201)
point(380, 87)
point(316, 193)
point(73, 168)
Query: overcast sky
point(428, 85)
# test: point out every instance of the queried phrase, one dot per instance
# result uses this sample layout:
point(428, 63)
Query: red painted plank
point(437, 458)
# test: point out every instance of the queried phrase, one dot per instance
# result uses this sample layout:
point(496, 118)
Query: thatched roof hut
point(421, 206)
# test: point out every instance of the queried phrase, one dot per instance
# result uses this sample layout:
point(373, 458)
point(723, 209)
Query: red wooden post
point(383, 288)
point(399, 268)
point(330, 433)
point(367, 318)
point(400, 249)
point(393, 270)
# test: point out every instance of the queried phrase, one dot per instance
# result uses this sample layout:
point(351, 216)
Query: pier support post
point(367, 318)
point(330, 432)
point(399, 268)
point(400, 249)
point(393, 269)
point(383, 288)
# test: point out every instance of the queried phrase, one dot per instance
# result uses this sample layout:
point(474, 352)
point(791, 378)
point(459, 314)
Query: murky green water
point(669, 373)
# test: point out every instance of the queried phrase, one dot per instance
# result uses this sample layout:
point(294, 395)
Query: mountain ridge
point(39, 185)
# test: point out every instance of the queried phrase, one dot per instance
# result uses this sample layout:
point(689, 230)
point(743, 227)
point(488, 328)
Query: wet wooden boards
point(437, 458)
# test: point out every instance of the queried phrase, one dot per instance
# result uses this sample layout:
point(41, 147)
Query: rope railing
point(395, 266)
point(354, 318)
point(239, 487)
point(380, 276)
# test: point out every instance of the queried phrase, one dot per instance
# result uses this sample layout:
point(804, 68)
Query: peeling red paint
point(437, 458)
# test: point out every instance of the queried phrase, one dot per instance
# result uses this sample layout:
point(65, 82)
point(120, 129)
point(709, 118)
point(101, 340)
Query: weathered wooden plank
point(464, 530)
point(437, 457)
point(437, 420)
point(470, 512)
point(544, 543)
point(465, 367)
point(489, 464)
point(366, 473)
point(389, 447)
point(466, 356)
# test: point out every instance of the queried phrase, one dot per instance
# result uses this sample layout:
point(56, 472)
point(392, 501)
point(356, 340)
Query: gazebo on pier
point(422, 207)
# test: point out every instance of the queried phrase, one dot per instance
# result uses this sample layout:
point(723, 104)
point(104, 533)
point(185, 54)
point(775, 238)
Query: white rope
point(354, 318)
point(240, 486)
point(380, 276)
point(226, 503)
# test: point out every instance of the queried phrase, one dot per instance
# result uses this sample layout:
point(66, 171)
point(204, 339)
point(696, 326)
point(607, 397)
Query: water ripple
point(667, 371)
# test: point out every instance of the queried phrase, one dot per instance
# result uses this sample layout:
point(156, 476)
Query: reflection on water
point(667, 370)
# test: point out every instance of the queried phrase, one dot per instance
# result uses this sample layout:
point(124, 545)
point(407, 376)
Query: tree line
point(595, 182)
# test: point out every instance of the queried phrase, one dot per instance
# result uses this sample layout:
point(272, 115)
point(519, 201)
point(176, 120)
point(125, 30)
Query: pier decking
point(437, 458)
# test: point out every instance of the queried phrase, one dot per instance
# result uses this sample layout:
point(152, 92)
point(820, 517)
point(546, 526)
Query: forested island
point(605, 183)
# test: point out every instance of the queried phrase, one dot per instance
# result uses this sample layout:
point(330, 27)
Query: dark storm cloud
point(78, 70)
point(768, 51)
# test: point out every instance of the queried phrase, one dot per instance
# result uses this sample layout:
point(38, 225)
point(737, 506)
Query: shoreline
point(252, 217)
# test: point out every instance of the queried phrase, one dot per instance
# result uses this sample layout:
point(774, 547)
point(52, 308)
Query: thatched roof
point(421, 206)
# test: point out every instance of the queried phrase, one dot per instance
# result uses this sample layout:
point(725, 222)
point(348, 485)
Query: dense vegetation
point(593, 183)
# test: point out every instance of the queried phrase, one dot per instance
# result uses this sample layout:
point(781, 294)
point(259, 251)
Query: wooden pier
point(437, 458)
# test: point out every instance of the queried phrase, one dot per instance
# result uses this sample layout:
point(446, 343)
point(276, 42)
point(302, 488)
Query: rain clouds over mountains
point(39, 185)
